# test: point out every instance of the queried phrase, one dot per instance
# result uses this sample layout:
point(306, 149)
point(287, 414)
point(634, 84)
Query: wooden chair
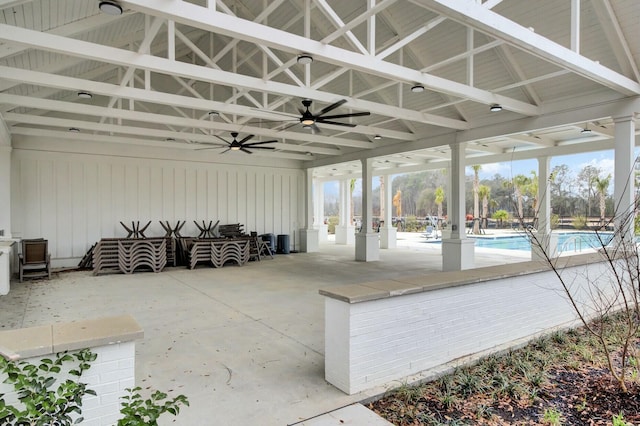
point(35, 260)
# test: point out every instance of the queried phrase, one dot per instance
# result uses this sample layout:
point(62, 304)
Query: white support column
point(457, 251)
point(446, 228)
point(367, 241)
point(5, 179)
point(388, 233)
point(547, 241)
point(318, 211)
point(623, 184)
point(308, 235)
point(345, 229)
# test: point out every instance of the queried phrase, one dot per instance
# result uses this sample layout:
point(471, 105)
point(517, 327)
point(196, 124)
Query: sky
point(576, 162)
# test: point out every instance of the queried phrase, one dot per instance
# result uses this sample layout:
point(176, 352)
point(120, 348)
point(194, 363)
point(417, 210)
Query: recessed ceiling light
point(308, 154)
point(417, 88)
point(85, 95)
point(214, 113)
point(110, 8)
point(495, 108)
point(74, 130)
point(305, 59)
point(377, 137)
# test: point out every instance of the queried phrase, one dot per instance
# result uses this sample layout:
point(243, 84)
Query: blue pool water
point(567, 241)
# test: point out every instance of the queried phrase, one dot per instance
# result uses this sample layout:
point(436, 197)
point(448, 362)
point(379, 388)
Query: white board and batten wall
point(74, 194)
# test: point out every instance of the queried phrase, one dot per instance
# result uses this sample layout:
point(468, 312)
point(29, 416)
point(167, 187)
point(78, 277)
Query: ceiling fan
point(308, 119)
point(241, 145)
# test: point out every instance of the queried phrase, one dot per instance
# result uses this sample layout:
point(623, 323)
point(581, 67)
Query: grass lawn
point(559, 379)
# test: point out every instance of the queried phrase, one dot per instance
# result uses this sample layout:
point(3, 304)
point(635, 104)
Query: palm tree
point(476, 207)
point(520, 183)
point(439, 199)
point(484, 192)
point(601, 187)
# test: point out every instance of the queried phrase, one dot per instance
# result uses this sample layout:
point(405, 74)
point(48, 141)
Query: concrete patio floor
point(244, 344)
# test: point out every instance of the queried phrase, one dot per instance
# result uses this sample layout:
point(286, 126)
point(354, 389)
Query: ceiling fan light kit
point(110, 8)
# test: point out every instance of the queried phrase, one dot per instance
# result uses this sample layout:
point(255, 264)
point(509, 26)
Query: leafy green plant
point(42, 403)
point(552, 417)
point(501, 216)
point(618, 420)
point(579, 222)
point(145, 412)
point(43, 399)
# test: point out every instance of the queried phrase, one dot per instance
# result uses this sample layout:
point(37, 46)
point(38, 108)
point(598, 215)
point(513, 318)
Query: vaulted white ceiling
point(157, 71)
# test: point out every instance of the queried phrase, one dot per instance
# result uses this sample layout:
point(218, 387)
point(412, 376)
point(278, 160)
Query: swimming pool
point(567, 241)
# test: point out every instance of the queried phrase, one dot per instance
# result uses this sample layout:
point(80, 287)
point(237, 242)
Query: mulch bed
point(582, 393)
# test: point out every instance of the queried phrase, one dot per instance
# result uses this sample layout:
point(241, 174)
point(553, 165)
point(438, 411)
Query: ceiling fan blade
point(261, 147)
point(247, 145)
point(288, 126)
point(331, 107)
point(228, 143)
point(335, 123)
point(245, 139)
point(353, 114)
point(209, 147)
point(315, 128)
point(246, 151)
point(228, 149)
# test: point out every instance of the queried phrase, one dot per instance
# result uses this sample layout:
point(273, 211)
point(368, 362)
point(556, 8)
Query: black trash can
point(283, 244)
point(271, 239)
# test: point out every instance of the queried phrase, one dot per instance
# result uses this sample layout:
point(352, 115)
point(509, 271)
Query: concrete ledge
point(47, 339)
point(355, 293)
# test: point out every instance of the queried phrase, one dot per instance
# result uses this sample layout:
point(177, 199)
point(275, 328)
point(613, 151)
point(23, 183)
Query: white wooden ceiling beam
point(65, 135)
point(71, 29)
point(615, 36)
point(370, 13)
point(409, 38)
point(196, 16)
point(160, 119)
point(463, 55)
point(471, 14)
point(338, 23)
point(149, 132)
point(143, 61)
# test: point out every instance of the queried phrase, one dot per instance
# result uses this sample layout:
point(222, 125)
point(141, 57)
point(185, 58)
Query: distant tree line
point(585, 193)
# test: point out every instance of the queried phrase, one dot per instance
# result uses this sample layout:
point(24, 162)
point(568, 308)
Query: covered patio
point(245, 344)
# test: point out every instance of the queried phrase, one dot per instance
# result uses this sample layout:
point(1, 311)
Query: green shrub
point(42, 398)
point(579, 222)
point(501, 216)
point(411, 224)
point(45, 399)
point(332, 222)
point(555, 220)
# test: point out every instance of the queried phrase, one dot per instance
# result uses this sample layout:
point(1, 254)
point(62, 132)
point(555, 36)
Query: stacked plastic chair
point(105, 256)
point(237, 251)
point(149, 253)
point(200, 251)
